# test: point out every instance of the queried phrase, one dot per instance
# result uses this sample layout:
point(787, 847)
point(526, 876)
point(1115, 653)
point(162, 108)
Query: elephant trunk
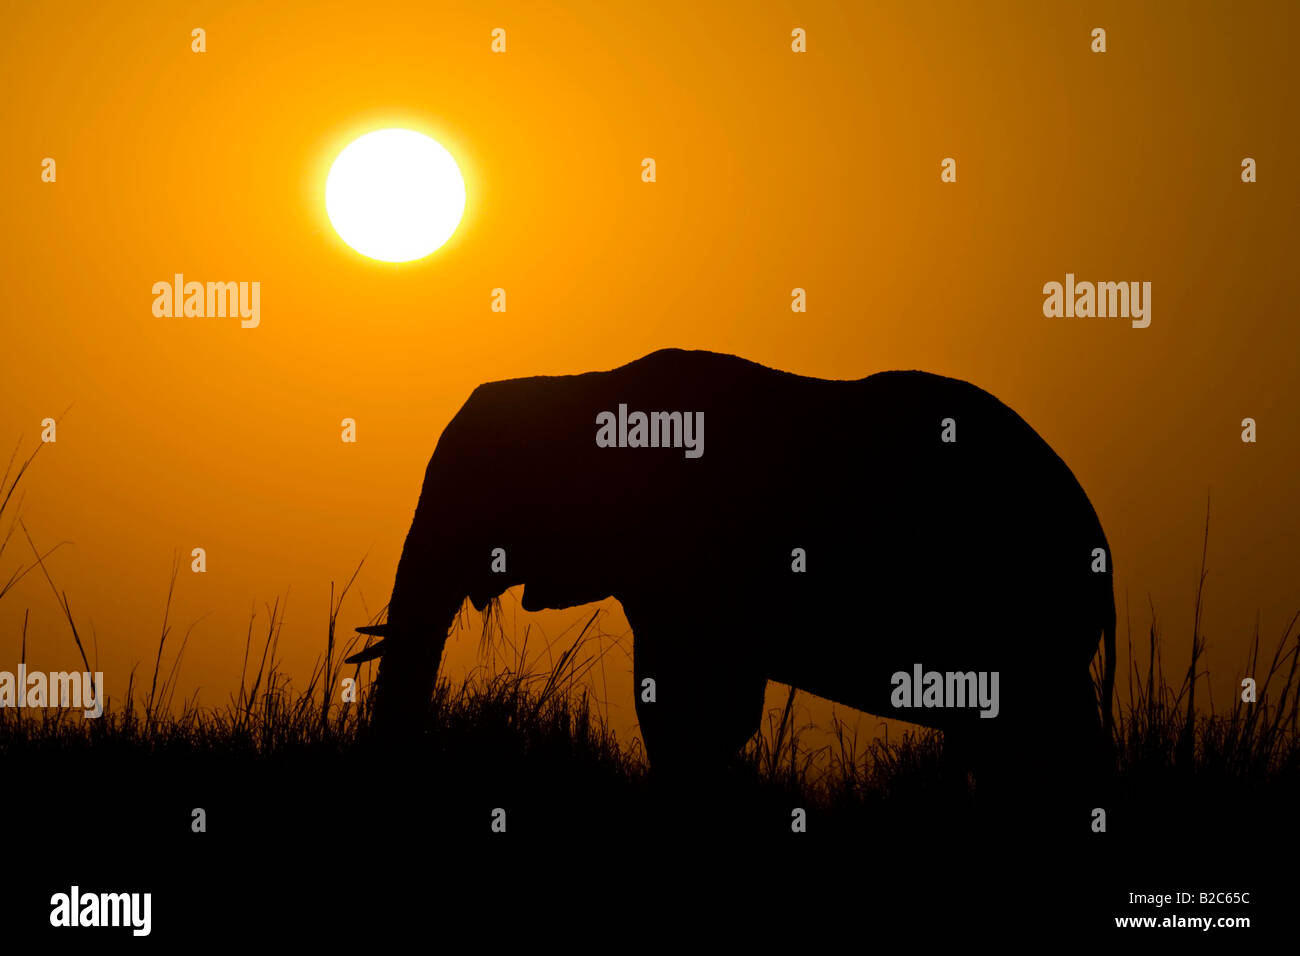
point(429, 588)
point(408, 671)
point(421, 612)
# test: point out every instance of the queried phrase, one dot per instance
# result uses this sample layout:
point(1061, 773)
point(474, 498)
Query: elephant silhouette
point(755, 525)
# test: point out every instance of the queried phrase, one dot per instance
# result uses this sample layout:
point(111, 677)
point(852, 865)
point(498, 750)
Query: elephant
point(759, 525)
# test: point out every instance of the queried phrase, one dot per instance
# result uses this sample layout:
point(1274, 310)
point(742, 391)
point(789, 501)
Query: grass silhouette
point(522, 725)
point(520, 730)
point(285, 773)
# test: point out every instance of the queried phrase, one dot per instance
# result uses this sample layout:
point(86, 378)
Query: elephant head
point(499, 507)
point(525, 488)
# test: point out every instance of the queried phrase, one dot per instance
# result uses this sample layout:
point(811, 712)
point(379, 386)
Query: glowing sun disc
point(394, 195)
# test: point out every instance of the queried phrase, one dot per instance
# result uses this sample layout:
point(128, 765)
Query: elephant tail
point(1108, 674)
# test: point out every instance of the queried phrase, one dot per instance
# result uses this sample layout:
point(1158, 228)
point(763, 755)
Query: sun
point(395, 195)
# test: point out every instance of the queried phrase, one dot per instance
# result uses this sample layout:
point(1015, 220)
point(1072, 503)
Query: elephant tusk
point(369, 654)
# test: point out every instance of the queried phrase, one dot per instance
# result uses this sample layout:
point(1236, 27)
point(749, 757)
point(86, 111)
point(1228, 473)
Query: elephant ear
point(374, 650)
point(532, 599)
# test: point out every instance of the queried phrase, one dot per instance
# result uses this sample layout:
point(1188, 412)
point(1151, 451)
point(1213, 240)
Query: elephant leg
point(960, 753)
point(1080, 772)
point(706, 699)
point(1041, 768)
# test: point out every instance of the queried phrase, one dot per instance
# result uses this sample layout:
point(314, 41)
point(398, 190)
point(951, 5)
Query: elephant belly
point(852, 659)
point(848, 639)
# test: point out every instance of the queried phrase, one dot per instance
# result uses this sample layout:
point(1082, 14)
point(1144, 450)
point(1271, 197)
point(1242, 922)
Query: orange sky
point(775, 170)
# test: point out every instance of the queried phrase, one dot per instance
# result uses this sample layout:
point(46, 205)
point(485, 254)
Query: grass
point(540, 728)
point(531, 738)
